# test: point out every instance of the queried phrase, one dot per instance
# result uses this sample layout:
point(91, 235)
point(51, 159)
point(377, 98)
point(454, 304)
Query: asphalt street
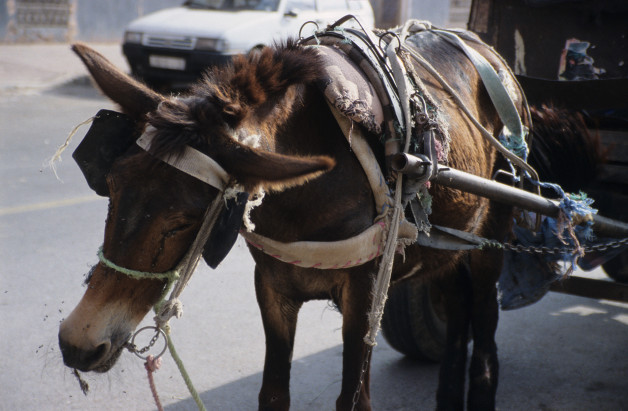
point(562, 353)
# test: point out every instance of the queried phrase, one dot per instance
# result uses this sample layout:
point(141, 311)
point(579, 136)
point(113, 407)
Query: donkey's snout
point(85, 359)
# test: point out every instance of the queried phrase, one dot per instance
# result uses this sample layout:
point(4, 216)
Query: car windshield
point(234, 5)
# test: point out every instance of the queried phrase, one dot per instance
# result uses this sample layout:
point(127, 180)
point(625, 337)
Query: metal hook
point(305, 24)
point(393, 34)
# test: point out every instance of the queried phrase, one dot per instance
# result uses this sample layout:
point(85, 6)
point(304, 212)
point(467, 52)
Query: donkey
point(316, 191)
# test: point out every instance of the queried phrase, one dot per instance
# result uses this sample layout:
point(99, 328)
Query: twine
point(170, 276)
point(62, 147)
point(184, 373)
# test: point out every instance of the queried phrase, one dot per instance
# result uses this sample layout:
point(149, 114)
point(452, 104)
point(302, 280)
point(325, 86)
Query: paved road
point(563, 353)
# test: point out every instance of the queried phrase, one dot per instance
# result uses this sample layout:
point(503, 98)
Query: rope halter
point(204, 168)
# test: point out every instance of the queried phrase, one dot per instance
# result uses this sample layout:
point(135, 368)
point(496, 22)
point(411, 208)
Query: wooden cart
point(572, 54)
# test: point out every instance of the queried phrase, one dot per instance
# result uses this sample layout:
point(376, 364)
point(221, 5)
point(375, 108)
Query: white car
point(175, 45)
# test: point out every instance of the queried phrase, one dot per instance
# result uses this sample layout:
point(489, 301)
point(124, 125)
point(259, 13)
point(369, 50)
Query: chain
point(363, 371)
point(555, 250)
point(150, 344)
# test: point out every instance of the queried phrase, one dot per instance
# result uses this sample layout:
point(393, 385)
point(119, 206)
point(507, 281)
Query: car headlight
point(211, 44)
point(132, 37)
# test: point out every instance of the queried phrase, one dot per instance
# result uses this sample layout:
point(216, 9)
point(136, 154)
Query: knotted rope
point(166, 309)
point(173, 306)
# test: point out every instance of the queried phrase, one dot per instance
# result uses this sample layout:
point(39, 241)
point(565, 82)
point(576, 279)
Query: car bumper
point(196, 62)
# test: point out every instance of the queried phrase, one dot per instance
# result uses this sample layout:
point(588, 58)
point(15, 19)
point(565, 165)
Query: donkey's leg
point(483, 371)
point(456, 288)
point(355, 302)
point(279, 315)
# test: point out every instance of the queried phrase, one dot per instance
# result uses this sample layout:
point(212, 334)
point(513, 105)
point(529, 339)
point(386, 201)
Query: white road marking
point(48, 205)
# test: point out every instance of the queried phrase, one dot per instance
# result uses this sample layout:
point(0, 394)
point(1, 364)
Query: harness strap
point(192, 162)
point(445, 238)
point(502, 101)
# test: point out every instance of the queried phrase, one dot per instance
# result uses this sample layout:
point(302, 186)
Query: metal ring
point(157, 331)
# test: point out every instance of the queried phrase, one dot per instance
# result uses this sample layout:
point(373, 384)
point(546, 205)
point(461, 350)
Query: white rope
point(382, 281)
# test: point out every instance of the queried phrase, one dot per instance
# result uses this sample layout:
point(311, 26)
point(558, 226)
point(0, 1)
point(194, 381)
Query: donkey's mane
point(251, 87)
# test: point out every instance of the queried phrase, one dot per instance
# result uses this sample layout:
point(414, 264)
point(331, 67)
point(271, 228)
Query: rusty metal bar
point(460, 180)
point(493, 190)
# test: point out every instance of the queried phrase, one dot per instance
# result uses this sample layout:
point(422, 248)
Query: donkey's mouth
point(116, 350)
point(107, 364)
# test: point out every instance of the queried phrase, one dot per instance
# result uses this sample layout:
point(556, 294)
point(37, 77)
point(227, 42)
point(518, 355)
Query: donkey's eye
point(177, 230)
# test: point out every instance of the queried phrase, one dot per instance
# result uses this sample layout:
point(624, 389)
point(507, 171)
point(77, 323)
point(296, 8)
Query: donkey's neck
point(334, 206)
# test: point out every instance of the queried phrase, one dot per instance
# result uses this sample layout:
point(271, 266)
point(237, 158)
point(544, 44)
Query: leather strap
point(494, 86)
point(192, 162)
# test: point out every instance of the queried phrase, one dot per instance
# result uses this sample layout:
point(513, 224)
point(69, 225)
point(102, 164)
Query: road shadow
point(316, 382)
point(562, 353)
point(79, 87)
point(83, 87)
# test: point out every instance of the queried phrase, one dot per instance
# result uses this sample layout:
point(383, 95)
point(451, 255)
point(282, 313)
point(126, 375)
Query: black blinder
point(225, 231)
point(109, 136)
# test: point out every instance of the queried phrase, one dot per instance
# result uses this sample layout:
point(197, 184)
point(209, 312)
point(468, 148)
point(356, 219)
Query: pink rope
point(151, 366)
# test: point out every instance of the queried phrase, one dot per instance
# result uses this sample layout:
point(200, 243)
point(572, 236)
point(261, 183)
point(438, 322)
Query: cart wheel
point(617, 268)
point(414, 321)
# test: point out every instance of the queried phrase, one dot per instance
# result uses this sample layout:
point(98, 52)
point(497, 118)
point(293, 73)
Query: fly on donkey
point(277, 128)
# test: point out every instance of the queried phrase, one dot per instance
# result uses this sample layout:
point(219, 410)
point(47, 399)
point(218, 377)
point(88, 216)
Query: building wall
point(24, 21)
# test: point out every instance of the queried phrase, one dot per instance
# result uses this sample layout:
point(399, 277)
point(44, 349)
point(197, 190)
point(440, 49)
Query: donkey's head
point(155, 209)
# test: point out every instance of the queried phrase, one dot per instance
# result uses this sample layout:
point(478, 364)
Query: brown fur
point(562, 150)
point(153, 216)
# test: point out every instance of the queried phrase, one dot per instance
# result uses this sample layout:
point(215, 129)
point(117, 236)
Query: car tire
point(414, 321)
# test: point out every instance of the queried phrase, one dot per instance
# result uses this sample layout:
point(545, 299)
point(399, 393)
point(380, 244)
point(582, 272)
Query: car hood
point(182, 21)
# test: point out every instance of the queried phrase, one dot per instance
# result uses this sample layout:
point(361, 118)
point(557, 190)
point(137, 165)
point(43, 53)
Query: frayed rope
point(57, 155)
point(151, 365)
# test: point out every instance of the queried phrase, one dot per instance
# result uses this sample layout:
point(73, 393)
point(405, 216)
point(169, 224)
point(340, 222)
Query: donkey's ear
point(134, 98)
point(254, 168)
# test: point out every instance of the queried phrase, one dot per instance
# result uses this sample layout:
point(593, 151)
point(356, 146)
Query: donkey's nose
point(83, 359)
